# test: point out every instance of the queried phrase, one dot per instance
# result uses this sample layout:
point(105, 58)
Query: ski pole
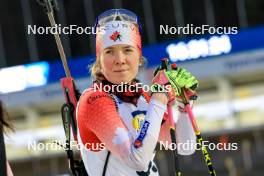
point(67, 83)
point(70, 93)
point(172, 127)
point(198, 135)
point(197, 131)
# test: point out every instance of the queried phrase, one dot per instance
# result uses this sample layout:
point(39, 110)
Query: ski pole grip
point(174, 67)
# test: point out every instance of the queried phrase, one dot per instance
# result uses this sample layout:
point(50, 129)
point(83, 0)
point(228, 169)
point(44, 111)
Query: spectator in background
point(5, 169)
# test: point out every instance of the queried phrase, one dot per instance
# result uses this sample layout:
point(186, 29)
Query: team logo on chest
point(138, 119)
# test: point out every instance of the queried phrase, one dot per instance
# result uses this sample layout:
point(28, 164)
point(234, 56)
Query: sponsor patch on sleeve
point(138, 142)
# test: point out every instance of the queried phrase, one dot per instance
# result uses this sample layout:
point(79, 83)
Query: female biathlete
point(119, 130)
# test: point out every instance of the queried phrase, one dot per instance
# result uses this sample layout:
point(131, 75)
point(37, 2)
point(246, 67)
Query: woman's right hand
point(177, 78)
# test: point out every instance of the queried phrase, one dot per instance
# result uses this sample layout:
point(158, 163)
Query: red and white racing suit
point(105, 123)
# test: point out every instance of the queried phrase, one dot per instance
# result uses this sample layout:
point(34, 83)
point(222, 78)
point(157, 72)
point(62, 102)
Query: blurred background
point(230, 69)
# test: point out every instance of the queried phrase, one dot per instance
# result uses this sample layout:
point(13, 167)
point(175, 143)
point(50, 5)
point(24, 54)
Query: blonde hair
point(95, 68)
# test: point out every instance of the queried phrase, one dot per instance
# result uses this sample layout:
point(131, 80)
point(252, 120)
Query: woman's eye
point(109, 52)
point(128, 50)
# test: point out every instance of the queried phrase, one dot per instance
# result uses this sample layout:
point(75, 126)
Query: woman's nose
point(120, 58)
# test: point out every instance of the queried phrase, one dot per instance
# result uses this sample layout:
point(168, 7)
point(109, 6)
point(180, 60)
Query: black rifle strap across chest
point(106, 163)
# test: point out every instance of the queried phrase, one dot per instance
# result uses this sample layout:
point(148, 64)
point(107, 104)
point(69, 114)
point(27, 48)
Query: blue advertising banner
point(206, 47)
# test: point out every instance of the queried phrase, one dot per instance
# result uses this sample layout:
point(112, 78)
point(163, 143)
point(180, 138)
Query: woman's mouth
point(120, 70)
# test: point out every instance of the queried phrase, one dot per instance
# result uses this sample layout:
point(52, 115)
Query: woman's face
point(119, 63)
